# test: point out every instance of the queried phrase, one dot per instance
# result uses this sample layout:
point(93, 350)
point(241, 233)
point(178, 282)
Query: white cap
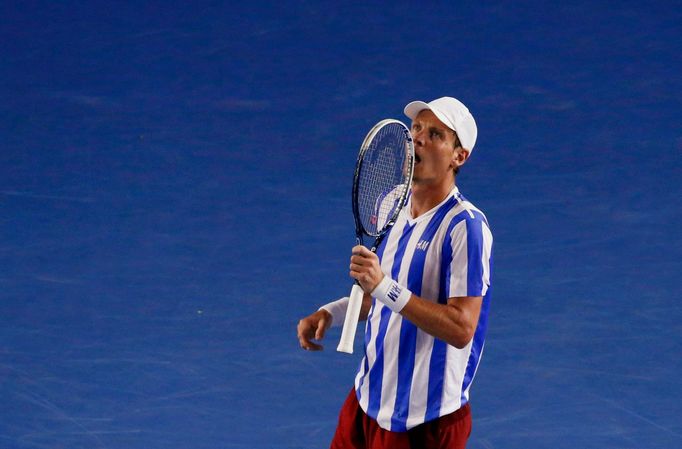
point(453, 114)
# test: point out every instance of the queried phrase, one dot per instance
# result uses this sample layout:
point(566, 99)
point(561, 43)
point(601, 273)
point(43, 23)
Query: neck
point(426, 197)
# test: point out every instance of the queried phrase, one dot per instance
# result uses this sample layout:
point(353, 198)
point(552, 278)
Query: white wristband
point(337, 310)
point(394, 295)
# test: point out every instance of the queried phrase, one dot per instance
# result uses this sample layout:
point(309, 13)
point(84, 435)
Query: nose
point(418, 138)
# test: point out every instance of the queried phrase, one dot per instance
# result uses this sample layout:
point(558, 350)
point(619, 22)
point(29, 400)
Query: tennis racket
point(383, 175)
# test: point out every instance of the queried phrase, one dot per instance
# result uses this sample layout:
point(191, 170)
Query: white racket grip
point(350, 324)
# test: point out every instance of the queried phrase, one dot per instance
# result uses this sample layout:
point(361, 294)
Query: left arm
point(454, 322)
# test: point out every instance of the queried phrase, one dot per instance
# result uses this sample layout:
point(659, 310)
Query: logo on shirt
point(423, 244)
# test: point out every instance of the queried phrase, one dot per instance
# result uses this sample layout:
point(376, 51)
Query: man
point(423, 342)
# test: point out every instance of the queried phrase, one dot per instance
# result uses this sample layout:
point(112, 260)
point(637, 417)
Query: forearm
point(454, 322)
point(336, 310)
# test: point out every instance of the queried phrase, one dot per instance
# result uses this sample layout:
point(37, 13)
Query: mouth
point(417, 159)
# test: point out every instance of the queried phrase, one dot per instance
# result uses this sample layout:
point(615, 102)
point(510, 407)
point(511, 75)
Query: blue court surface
point(175, 195)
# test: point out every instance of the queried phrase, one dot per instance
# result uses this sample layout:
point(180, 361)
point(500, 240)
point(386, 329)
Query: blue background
point(175, 194)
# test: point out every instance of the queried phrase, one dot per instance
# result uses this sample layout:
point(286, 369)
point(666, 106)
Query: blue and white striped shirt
point(408, 377)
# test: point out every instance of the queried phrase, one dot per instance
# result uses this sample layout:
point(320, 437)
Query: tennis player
point(427, 295)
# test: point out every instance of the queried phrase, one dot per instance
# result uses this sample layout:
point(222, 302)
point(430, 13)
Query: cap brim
point(414, 108)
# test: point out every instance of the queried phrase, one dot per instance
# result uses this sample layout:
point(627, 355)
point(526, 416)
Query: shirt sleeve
point(469, 269)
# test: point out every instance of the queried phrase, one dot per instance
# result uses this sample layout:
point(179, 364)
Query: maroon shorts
point(356, 430)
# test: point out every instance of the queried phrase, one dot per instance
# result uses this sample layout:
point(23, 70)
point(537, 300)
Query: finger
point(361, 259)
point(357, 267)
point(314, 347)
point(307, 344)
point(356, 273)
point(304, 330)
point(321, 329)
point(362, 263)
point(360, 250)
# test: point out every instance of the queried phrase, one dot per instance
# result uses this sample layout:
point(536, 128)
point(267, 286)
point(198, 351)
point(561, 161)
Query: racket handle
point(350, 324)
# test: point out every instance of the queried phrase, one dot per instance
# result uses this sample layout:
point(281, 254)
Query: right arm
point(314, 326)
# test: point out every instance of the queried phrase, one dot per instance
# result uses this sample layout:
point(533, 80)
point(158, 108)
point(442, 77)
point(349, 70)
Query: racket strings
point(382, 179)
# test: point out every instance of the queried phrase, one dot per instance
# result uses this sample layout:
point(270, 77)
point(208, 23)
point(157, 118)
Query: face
point(434, 148)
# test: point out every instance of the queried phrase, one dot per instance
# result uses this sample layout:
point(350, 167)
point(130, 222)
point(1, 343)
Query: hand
point(365, 268)
point(313, 327)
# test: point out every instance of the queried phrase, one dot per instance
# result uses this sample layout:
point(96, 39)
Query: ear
point(459, 157)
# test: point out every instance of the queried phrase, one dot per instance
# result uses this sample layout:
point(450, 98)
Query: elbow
point(463, 323)
point(462, 338)
point(459, 343)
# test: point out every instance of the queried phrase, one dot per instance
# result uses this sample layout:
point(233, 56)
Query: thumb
point(321, 328)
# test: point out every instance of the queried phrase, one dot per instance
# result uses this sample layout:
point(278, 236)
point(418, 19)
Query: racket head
point(383, 175)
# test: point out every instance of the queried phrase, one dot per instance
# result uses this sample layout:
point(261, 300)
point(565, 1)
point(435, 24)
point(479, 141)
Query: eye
point(435, 134)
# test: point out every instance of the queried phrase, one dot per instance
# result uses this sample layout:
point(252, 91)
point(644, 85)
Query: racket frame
point(355, 302)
